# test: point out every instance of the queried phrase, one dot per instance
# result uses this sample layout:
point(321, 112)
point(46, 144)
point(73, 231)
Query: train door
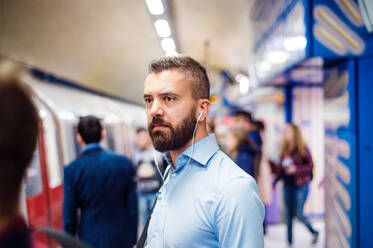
point(54, 165)
point(36, 188)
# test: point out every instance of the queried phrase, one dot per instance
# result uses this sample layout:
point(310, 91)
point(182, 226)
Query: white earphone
point(200, 115)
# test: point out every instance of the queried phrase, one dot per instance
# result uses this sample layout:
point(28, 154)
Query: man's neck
point(200, 134)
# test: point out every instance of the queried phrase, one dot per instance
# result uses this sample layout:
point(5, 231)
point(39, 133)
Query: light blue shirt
point(209, 203)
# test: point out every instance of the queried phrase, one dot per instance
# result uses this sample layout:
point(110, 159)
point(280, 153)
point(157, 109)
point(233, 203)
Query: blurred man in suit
point(101, 184)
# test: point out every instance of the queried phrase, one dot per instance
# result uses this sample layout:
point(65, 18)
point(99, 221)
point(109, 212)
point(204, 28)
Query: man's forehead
point(165, 81)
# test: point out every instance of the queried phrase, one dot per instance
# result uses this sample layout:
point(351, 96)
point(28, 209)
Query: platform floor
point(276, 236)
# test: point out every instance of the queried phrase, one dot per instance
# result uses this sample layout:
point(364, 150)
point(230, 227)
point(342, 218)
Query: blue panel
point(365, 151)
point(338, 30)
point(341, 191)
point(340, 97)
point(341, 155)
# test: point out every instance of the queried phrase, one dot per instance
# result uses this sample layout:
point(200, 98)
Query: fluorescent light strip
point(155, 7)
point(162, 28)
point(168, 45)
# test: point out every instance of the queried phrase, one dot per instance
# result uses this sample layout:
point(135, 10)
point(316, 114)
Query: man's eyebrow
point(168, 93)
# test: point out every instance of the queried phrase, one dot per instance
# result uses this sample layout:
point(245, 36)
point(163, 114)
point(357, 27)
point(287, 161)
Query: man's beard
point(172, 138)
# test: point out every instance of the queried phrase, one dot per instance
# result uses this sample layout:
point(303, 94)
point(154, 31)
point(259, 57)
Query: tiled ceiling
point(107, 45)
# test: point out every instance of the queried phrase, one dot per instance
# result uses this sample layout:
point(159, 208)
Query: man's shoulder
point(112, 154)
point(73, 165)
point(103, 155)
point(231, 179)
point(114, 157)
point(225, 169)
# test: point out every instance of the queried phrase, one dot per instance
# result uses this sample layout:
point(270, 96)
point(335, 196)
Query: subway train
point(60, 108)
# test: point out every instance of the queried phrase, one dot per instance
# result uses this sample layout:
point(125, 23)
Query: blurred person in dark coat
point(101, 185)
point(18, 137)
point(244, 120)
point(242, 150)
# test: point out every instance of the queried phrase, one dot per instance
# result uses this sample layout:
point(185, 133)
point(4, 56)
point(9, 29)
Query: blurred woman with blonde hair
point(296, 171)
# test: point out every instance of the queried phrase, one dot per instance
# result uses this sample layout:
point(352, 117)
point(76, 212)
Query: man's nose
point(156, 109)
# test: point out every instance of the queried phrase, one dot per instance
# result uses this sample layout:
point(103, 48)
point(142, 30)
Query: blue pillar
point(365, 151)
point(288, 91)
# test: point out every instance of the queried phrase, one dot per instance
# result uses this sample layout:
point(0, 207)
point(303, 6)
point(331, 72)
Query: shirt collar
point(204, 149)
point(91, 146)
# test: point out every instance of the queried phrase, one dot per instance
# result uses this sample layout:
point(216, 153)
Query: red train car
point(59, 110)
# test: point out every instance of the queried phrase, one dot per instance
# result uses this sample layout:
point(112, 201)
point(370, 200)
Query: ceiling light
point(244, 85)
point(295, 43)
point(263, 66)
point(277, 56)
point(66, 115)
point(238, 77)
point(162, 28)
point(155, 7)
point(168, 44)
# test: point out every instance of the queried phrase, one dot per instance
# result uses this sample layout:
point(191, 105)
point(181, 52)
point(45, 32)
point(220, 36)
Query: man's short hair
point(246, 115)
point(19, 125)
point(90, 129)
point(194, 72)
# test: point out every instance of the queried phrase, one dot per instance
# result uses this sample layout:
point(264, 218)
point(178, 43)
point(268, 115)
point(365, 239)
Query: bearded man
point(206, 199)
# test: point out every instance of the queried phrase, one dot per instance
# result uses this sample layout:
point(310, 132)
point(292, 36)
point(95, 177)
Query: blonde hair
point(297, 144)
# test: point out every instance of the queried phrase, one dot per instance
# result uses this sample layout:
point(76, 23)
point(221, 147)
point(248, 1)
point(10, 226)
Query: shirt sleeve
point(239, 215)
point(70, 204)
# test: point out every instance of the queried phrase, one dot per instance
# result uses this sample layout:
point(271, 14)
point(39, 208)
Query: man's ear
point(80, 140)
point(103, 134)
point(204, 106)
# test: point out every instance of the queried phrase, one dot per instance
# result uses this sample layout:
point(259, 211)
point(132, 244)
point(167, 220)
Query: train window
point(109, 137)
point(69, 142)
point(78, 148)
point(119, 138)
point(33, 182)
point(54, 167)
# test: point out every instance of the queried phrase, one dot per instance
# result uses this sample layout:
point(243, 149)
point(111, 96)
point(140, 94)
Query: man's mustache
point(159, 122)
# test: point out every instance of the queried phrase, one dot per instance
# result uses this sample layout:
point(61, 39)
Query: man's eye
point(148, 100)
point(168, 98)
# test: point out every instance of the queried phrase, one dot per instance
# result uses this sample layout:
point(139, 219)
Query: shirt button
point(155, 234)
point(164, 203)
point(159, 197)
point(174, 174)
